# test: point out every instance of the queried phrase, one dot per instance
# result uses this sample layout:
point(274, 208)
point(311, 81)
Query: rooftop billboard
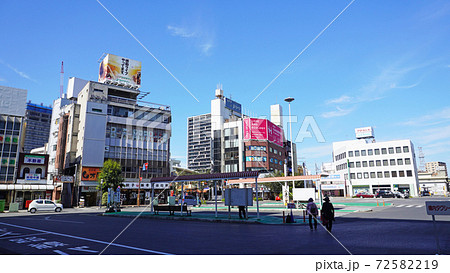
point(364, 132)
point(262, 129)
point(232, 105)
point(121, 71)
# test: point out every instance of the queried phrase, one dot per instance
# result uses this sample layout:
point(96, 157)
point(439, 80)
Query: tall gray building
point(37, 128)
point(12, 112)
point(199, 142)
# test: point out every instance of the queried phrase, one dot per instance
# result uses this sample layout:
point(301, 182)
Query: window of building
point(409, 173)
point(392, 162)
point(398, 150)
point(385, 162)
point(358, 164)
point(383, 151)
point(370, 152)
point(352, 175)
point(371, 163)
point(366, 175)
point(363, 153)
point(378, 163)
point(356, 153)
point(364, 163)
point(399, 161)
point(377, 151)
point(372, 175)
point(352, 164)
point(25, 171)
point(391, 150)
point(359, 175)
point(405, 149)
point(379, 175)
point(350, 154)
point(394, 173)
point(401, 173)
point(407, 161)
point(386, 174)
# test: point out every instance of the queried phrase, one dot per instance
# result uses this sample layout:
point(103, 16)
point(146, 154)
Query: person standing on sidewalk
point(328, 213)
point(312, 211)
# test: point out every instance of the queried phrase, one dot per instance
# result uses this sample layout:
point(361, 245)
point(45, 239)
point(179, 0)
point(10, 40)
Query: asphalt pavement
point(401, 227)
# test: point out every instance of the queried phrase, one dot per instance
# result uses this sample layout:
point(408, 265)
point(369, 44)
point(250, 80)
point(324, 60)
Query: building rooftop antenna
point(61, 81)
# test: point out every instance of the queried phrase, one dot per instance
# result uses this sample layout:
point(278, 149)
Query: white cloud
point(434, 134)
point(181, 32)
point(338, 113)
point(435, 118)
point(20, 73)
point(341, 99)
point(2, 80)
point(198, 35)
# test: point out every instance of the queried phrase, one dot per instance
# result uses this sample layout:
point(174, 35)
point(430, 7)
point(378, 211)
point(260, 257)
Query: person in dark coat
point(312, 211)
point(242, 212)
point(327, 214)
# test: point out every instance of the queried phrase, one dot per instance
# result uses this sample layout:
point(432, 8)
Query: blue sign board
point(232, 105)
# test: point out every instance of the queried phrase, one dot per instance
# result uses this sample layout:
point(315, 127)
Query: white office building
point(199, 143)
point(366, 165)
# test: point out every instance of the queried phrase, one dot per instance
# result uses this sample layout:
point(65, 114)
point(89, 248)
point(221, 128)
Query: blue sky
point(384, 64)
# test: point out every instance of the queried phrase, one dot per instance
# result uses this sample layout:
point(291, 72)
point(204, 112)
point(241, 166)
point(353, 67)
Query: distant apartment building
point(199, 143)
point(37, 126)
point(432, 167)
point(366, 165)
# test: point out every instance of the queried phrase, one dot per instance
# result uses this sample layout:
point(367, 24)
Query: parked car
point(401, 194)
point(385, 193)
point(189, 200)
point(365, 194)
point(426, 193)
point(44, 205)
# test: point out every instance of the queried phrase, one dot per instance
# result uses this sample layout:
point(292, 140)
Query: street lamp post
point(289, 100)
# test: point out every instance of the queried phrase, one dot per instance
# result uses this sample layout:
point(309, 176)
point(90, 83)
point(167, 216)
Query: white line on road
point(83, 248)
point(60, 252)
point(410, 206)
point(399, 206)
point(90, 240)
point(24, 235)
point(65, 221)
point(419, 206)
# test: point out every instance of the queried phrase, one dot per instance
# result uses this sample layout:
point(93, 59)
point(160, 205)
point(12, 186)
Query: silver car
point(44, 205)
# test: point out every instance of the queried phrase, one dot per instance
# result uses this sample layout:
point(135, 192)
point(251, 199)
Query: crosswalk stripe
point(399, 206)
point(409, 206)
point(419, 206)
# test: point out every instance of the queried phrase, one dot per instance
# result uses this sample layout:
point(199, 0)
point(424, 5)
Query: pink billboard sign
point(275, 134)
point(263, 129)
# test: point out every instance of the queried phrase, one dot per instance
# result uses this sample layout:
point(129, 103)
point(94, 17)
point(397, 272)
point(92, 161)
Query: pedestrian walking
point(242, 212)
point(328, 214)
point(312, 211)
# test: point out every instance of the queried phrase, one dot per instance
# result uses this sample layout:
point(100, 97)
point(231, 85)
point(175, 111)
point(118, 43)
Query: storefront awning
point(20, 187)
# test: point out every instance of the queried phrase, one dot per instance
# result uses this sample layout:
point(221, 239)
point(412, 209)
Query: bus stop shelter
point(208, 177)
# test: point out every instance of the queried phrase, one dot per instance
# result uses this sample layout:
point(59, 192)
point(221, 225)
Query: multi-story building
point(100, 121)
point(432, 167)
point(37, 126)
point(367, 165)
point(12, 114)
point(199, 143)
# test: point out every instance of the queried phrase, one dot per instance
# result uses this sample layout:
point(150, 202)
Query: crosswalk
point(409, 206)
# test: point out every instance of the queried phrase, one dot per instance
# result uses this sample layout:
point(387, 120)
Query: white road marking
point(10, 237)
point(8, 233)
point(65, 221)
point(60, 252)
point(419, 206)
point(83, 248)
point(410, 206)
point(90, 240)
point(399, 206)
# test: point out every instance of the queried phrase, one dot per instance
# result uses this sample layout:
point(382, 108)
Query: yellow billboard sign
point(121, 71)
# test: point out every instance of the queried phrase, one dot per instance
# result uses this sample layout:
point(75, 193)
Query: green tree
point(111, 175)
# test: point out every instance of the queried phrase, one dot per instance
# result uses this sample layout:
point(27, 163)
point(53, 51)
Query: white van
point(44, 205)
point(189, 200)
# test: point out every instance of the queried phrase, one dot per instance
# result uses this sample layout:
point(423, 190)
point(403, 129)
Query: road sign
point(291, 206)
point(438, 207)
